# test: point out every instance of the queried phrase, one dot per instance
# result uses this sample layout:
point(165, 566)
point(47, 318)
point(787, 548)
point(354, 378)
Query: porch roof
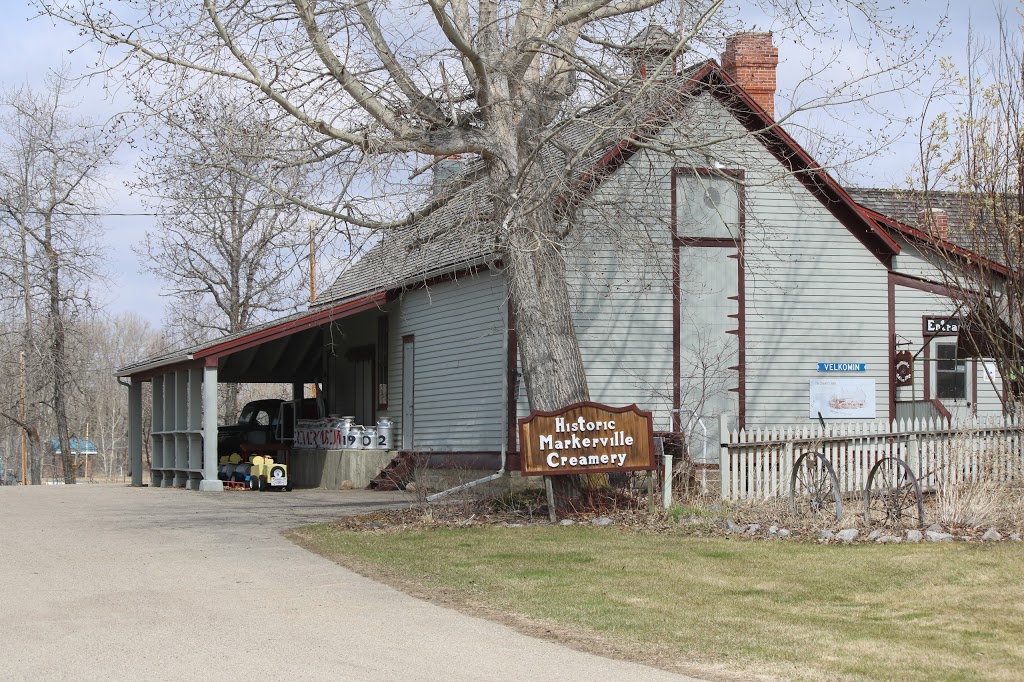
point(284, 350)
point(988, 330)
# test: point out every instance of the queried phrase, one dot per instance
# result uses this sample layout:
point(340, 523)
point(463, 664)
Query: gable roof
point(210, 352)
point(460, 234)
point(899, 209)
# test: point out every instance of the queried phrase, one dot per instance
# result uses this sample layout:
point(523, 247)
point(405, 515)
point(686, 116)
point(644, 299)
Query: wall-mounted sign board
point(842, 367)
point(587, 438)
point(940, 326)
point(903, 368)
point(842, 398)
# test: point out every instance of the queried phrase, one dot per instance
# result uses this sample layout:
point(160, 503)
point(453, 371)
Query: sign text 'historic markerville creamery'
point(586, 438)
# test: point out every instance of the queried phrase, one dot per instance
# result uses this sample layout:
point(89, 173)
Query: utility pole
point(24, 421)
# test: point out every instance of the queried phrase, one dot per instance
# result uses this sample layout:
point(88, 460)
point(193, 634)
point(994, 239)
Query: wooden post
point(650, 490)
point(550, 489)
point(24, 421)
point(724, 461)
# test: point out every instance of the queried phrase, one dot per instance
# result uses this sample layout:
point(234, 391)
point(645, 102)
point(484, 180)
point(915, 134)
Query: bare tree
point(528, 92)
point(230, 250)
point(971, 198)
point(50, 163)
point(102, 345)
point(223, 238)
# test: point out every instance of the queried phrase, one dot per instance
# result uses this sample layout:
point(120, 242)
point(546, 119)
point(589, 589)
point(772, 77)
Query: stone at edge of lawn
point(734, 527)
point(935, 536)
point(847, 535)
point(602, 521)
point(914, 536)
point(992, 535)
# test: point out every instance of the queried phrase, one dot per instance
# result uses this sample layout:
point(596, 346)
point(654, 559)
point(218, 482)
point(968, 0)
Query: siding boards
point(813, 292)
point(620, 274)
point(459, 329)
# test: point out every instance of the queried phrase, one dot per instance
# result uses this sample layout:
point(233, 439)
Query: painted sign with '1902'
point(586, 438)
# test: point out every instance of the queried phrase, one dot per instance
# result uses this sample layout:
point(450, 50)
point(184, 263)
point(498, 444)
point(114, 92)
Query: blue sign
point(842, 367)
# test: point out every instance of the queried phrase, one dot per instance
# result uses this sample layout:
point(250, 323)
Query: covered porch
point(342, 349)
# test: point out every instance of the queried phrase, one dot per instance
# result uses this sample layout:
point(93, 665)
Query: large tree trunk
point(58, 354)
point(552, 364)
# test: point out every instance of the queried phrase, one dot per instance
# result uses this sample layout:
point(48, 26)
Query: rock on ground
point(992, 535)
point(602, 521)
point(734, 527)
point(914, 536)
point(847, 535)
point(935, 536)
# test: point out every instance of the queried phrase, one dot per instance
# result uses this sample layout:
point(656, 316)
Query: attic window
point(708, 207)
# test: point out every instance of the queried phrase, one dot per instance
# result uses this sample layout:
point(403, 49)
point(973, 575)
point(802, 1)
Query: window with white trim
point(950, 373)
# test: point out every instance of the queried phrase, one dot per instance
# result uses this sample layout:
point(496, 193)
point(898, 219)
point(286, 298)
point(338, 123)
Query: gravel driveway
point(113, 582)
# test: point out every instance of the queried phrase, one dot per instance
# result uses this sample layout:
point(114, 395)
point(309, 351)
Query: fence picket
point(758, 463)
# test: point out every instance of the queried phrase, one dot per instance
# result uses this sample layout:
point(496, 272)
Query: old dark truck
point(258, 424)
point(266, 422)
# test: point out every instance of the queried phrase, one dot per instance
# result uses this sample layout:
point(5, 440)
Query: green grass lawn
point(787, 609)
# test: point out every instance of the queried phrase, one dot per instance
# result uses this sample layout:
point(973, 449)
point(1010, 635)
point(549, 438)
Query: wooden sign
point(940, 326)
point(587, 438)
point(903, 368)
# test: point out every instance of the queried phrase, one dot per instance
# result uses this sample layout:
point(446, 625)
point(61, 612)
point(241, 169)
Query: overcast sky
point(32, 47)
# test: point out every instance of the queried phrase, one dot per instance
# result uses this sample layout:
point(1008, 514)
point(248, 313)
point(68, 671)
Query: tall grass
point(972, 490)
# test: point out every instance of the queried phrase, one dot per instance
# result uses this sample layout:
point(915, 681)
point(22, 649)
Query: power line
point(135, 214)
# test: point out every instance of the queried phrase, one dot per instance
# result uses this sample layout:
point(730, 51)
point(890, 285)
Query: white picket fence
point(757, 463)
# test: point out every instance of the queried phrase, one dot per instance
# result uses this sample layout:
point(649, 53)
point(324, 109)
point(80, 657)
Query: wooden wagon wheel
point(814, 487)
point(893, 495)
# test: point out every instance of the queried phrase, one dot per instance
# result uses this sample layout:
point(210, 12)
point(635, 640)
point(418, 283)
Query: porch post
point(135, 431)
point(210, 482)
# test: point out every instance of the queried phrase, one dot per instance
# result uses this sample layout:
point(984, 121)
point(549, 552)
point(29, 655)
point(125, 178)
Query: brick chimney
point(750, 60)
point(934, 221)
